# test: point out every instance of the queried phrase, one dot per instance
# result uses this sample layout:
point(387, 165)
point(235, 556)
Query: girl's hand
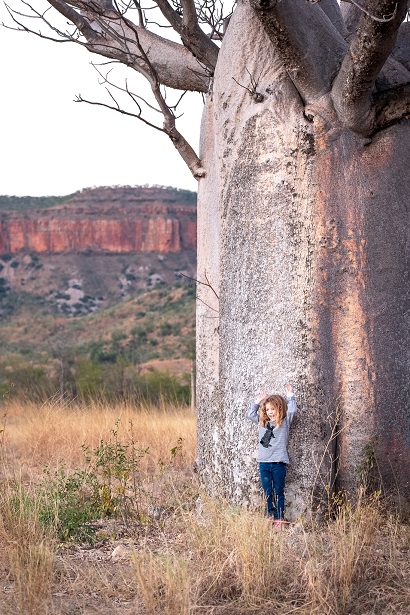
point(288, 389)
point(262, 395)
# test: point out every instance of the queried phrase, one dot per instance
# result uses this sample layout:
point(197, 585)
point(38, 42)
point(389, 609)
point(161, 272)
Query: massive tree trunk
point(303, 240)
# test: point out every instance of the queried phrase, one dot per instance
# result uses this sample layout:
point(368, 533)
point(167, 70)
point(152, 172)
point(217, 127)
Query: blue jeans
point(273, 484)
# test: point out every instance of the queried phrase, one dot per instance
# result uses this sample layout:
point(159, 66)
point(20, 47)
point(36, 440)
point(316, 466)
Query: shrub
point(89, 379)
point(166, 329)
point(31, 382)
point(109, 486)
point(157, 386)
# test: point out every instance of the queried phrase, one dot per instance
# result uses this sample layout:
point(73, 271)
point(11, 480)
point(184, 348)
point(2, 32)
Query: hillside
point(129, 304)
point(98, 247)
point(103, 220)
point(112, 353)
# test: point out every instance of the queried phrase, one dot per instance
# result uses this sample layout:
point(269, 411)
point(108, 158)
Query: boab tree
point(302, 221)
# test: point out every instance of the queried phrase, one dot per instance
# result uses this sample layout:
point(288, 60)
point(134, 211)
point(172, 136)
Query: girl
point(274, 417)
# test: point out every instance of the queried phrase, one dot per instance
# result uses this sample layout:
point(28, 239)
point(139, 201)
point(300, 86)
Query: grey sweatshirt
point(277, 449)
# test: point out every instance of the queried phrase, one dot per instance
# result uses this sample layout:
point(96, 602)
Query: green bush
point(69, 504)
point(89, 379)
point(109, 486)
point(29, 381)
point(159, 386)
point(166, 329)
point(139, 332)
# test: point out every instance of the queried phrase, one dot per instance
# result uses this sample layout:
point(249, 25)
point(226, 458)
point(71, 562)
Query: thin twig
point(203, 283)
point(79, 98)
point(384, 19)
point(208, 306)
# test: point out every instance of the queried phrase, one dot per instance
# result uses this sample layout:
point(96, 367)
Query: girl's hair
point(281, 406)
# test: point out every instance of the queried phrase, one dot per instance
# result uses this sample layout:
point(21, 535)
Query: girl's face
point(271, 411)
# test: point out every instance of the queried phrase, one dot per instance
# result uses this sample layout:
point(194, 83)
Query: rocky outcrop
point(113, 220)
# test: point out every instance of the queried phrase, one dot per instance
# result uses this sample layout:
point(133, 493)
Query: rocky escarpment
point(105, 220)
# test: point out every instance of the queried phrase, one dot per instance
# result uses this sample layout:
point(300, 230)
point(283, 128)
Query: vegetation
point(106, 355)
point(100, 507)
point(185, 197)
point(22, 203)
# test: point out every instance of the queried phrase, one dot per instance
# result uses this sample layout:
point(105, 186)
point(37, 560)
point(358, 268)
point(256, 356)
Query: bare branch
point(207, 283)
point(110, 35)
point(64, 37)
point(253, 90)
point(382, 19)
point(310, 61)
point(208, 306)
point(126, 90)
point(173, 63)
point(210, 286)
point(99, 7)
point(82, 24)
point(178, 101)
point(189, 16)
point(118, 109)
point(141, 17)
point(181, 144)
point(170, 14)
point(113, 36)
point(193, 37)
point(369, 49)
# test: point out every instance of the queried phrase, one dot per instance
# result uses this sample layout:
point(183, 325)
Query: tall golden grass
point(53, 432)
point(187, 559)
point(27, 553)
point(235, 561)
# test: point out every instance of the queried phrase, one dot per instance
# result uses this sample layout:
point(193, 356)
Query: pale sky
point(53, 146)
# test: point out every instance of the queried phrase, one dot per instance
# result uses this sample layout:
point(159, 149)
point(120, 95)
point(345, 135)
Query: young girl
point(274, 414)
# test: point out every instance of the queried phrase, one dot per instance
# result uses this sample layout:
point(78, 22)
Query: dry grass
point(185, 560)
point(52, 433)
point(234, 561)
point(28, 552)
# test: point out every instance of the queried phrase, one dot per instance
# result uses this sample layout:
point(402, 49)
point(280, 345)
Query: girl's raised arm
point(290, 397)
point(260, 397)
point(289, 390)
point(253, 412)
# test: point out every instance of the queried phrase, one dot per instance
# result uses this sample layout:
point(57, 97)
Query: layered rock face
point(113, 220)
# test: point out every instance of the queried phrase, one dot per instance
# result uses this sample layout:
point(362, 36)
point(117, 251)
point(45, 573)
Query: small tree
point(303, 218)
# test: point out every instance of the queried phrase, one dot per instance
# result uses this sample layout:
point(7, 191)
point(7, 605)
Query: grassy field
point(101, 513)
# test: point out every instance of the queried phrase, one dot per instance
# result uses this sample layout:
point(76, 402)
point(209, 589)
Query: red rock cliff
point(105, 220)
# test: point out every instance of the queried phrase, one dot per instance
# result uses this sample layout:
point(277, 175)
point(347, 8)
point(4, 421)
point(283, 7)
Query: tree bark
point(311, 62)
point(303, 229)
point(369, 48)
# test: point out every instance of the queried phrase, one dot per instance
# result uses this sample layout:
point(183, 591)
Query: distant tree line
point(87, 380)
point(22, 203)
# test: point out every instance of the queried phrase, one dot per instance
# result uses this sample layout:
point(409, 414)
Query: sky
point(51, 145)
